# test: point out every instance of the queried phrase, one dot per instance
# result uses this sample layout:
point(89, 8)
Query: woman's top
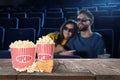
point(59, 47)
point(54, 37)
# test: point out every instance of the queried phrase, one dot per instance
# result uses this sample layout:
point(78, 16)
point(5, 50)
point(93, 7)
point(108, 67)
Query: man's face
point(83, 22)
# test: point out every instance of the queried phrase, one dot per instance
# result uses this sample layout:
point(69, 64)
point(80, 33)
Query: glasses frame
point(82, 19)
point(68, 29)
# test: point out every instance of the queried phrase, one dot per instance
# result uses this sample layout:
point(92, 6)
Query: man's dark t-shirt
point(87, 47)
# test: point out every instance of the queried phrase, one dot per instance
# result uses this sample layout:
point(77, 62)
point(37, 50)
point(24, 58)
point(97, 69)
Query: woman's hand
point(59, 48)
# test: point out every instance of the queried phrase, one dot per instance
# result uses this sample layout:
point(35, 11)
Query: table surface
point(67, 69)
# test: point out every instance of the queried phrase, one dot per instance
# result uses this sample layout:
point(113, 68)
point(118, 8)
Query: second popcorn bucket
point(45, 51)
point(45, 48)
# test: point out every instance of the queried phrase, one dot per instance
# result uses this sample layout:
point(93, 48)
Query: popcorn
point(32, 68)
point(29, 69)
point(22, 44)
point(23, 55)
point(41, 66)
point(45, 48)
point(21, 70)
point(45, 40)
point(45, 51)
point(45, 66)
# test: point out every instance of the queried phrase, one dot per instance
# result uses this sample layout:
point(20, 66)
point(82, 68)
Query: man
point(87, 44)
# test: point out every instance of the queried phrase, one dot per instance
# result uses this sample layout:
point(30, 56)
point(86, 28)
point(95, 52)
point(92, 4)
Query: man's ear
point(91, 22)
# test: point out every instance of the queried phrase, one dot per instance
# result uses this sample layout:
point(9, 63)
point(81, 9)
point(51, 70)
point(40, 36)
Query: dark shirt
point(87, 47)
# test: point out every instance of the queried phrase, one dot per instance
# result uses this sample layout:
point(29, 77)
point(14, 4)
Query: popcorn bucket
point(22, 57)
point(45, 51)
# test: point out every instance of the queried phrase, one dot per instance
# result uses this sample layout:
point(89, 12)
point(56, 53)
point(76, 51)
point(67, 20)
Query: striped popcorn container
point(45, 51)
point(22, 57)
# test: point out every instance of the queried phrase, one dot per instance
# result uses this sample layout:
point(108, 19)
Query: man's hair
point(86, 12)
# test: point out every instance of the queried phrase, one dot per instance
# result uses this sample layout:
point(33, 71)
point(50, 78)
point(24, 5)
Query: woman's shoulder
point(53, 35)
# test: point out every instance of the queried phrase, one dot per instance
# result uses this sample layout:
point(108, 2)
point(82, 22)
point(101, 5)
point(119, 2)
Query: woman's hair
point(61, 36)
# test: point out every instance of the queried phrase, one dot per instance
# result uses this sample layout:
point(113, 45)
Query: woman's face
point(68, 30)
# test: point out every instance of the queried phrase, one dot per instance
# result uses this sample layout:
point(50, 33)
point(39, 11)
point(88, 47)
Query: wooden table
point(67, 69)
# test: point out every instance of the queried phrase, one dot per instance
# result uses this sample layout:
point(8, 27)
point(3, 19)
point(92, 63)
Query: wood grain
point(67, 69)
point(63, 70)
point(6, 70)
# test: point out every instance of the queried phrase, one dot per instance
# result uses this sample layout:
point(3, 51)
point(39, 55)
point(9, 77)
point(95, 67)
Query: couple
point(78, 36)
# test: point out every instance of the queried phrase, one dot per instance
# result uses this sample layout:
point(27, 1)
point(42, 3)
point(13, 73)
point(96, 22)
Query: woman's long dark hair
point(61, 36)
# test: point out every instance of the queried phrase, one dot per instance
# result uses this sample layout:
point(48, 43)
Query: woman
point(67, 30)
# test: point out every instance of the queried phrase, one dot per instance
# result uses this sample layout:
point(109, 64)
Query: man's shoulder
point(96, 34)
